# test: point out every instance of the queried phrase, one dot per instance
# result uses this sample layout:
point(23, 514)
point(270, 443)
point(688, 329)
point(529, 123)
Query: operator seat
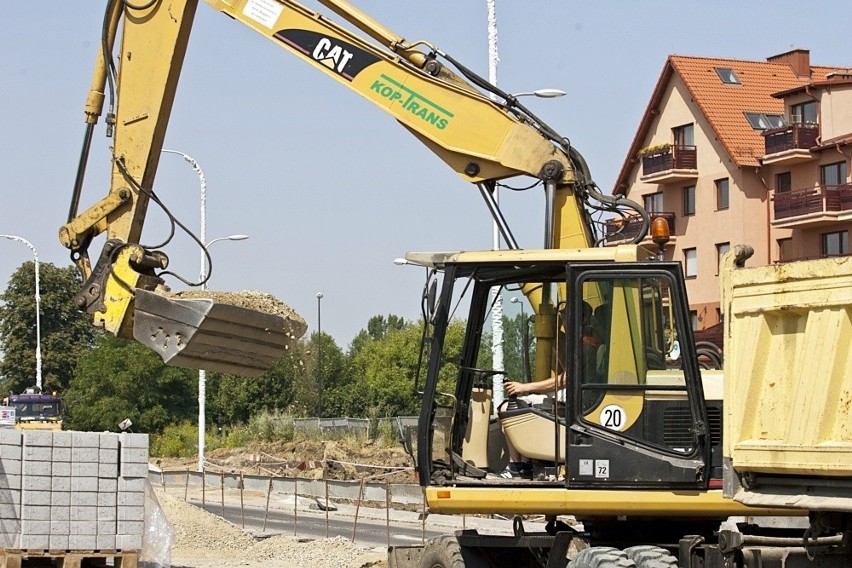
point(531, 428)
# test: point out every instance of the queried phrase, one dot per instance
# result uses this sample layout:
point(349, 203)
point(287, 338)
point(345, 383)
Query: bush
point(177, 441)
point(387, 434)
point(263, 427)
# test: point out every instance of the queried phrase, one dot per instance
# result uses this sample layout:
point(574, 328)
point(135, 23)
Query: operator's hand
point(514, 388)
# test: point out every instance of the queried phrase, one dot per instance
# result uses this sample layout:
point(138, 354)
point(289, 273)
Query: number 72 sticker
point(613, 417)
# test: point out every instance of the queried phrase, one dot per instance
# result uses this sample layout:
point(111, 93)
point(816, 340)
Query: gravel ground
point(203, 540)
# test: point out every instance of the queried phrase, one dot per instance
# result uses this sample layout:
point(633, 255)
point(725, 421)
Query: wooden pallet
point(24, 558)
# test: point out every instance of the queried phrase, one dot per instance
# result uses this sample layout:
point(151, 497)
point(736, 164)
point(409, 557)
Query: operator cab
point(631, 412)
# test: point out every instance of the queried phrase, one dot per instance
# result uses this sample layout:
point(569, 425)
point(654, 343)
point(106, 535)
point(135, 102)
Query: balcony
point(790, 144)
point(812, 207)
point(624, 230)
point(672, 165)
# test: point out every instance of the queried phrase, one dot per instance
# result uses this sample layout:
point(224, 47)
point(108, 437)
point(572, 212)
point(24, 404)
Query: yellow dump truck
point(788, 388)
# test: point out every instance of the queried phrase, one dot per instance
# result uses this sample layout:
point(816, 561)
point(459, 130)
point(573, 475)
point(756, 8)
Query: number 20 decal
point(613, 417)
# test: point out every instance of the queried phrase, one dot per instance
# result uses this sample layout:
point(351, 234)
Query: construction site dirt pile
point(203, 540)
point(342, 459)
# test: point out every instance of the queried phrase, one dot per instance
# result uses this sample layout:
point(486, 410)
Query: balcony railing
point(821, 199)
point(625, 229)
point(674, 158)
point(796, 136)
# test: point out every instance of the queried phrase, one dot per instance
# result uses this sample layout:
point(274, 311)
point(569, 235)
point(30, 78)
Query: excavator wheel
point(647, 556)
point(446, 552)
point(602, 557)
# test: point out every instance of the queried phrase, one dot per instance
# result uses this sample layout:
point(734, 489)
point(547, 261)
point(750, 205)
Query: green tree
point(120, 379)
point(315, 389)
point(383, 372)
point(518, 346)
point(232, 400)
point(377, 328)
point(65, 331)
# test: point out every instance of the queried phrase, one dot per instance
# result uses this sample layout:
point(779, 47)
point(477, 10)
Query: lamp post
point(497, 360)
point(37, 304)
point(542, 93)
point(319, 352)
point(202, 374)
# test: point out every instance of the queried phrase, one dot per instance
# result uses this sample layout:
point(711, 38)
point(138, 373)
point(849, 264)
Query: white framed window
point(835, 244)
point(721, 249)
point(690, 262)
point(653, 202)
point(689, 200)
point(722, 193)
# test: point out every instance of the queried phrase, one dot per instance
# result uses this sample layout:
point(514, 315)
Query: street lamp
point(543, 93)
point(37, 304)
point(202, 374)
point(204, 259)
point(319, 352)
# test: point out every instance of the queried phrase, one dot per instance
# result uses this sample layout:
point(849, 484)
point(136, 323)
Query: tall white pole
point(319, 354)
point(497, 312)
point(202, 374)
point(37, 304)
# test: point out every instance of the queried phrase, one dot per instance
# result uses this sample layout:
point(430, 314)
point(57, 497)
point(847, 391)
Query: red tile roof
point(723, 104)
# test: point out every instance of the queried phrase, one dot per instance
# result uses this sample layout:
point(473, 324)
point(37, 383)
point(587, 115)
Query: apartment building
point(733, 151)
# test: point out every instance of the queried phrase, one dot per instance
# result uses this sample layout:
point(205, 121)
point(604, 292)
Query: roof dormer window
point(727, 75)
point(762, 121)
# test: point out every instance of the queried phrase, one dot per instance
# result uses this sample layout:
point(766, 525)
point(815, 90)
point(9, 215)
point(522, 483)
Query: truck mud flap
point(203, 334)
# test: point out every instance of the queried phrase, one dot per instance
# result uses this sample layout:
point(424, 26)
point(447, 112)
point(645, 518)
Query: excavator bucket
point(242, 334)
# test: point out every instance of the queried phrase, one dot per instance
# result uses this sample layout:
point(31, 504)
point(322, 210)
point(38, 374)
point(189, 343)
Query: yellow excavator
point(630, 445)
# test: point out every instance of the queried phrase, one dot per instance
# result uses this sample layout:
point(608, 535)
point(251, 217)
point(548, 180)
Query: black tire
point(601, 557)
point(445, 552)
point(651, 557)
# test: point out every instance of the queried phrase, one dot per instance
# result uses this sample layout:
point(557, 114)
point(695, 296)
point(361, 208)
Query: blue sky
point(328, 187)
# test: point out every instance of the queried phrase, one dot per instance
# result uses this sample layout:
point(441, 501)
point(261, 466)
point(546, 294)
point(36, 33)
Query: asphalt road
point(370, 530)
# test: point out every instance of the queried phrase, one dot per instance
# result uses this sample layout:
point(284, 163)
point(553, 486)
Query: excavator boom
point(449, 109)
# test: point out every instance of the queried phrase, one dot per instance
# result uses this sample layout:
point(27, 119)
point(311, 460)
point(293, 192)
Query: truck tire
point(651, 557)
point(445, 552)
point(601, 557)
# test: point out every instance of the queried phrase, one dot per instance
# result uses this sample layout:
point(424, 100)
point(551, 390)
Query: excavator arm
point(481, 139)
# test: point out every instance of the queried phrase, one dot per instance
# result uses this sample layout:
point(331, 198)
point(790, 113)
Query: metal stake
point(387, 508)
point(295, 506)
point(266, 513)
point(325, 481)
point(357, 508)
point(222, 488)
point(242, 509)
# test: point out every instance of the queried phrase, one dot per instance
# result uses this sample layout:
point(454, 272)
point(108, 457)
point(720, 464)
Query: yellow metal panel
point(788, 368)
point(454, 121)
point(590, 502)
point(117, 317)
point(632, 403)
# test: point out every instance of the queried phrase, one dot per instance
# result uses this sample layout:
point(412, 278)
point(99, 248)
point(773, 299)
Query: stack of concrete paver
point(72, 490)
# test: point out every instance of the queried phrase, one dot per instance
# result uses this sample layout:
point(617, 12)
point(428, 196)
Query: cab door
point(637, 416)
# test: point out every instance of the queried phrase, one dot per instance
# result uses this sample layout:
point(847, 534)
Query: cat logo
point(339, 57)
point(332, 56)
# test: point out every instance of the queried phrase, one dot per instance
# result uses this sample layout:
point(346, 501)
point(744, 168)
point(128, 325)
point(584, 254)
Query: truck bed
point(788, 384)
